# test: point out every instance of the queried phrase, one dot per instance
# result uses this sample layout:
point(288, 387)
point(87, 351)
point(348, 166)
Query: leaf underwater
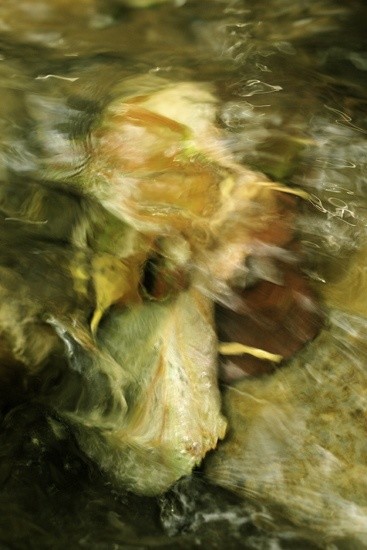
point(157, 162)
point(156, 411)
point(166, 227)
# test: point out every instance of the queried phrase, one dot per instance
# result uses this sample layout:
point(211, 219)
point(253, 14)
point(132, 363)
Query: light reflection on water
point(291, 83)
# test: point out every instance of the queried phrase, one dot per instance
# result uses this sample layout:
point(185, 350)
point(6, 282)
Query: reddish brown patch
point(279, 319)
point(279, 232)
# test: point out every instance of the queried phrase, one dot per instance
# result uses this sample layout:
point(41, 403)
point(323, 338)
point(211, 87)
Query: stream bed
point(289, 83)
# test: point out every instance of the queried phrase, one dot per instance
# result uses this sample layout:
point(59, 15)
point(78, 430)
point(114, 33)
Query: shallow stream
point(290, 79)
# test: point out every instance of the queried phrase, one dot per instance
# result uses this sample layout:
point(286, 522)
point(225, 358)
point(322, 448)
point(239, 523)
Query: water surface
point(291, 83)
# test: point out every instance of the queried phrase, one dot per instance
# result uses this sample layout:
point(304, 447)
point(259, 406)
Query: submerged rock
point(297, 442)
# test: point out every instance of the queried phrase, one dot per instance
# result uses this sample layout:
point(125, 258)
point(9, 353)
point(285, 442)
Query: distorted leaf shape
point(144, 174)
point(135, 138)
point(114, 281)
point(166, 353)
point(172, 221)
point(161, 175)
point(169, 176)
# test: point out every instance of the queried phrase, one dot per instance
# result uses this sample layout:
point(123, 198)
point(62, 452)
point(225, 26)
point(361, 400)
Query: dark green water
point(291, 78)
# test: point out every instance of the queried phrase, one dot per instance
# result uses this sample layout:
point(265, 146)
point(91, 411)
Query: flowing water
point(290, 79)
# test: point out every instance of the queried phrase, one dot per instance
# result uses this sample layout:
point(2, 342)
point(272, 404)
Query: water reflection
point(289, 84)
